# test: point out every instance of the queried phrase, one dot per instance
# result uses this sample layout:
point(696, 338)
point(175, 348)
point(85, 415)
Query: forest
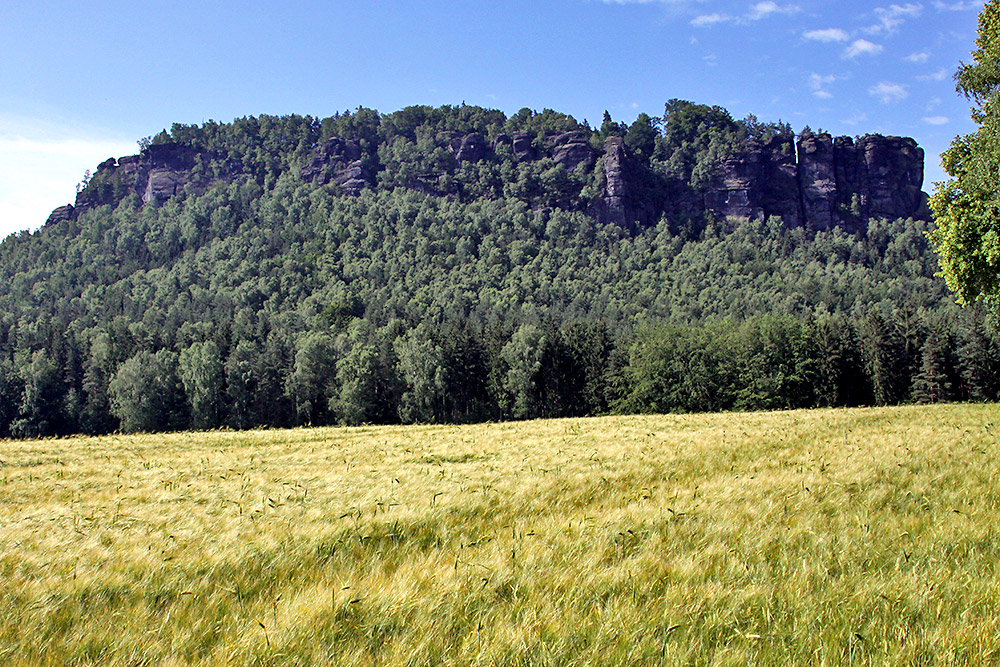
point(353, 270)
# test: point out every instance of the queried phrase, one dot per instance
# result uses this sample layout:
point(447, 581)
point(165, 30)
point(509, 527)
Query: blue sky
point(83, 81)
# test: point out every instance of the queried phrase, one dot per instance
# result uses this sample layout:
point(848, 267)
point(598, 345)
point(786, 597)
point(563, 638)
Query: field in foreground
point(816, 538)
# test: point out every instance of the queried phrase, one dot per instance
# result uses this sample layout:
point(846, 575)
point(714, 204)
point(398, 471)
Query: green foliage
point(460, 291)
point(528, 120)
point(202, 373)
point(523, 358)
point(967, 206)
point(641, 136)
point(40, 411)
point(146, 393)
point(310, 384)
point(695, 138)
point(422, 370)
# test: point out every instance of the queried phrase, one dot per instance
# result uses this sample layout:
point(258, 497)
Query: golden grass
point(825, 537)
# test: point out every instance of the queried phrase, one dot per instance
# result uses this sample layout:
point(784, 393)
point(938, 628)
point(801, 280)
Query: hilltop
point(457, 264)
point(693, 160)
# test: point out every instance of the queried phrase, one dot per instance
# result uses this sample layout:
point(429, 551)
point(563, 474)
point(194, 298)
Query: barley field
point(826, 537)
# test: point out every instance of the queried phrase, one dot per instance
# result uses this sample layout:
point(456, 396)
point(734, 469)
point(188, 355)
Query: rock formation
point(845, 184)
point(819, 182)
point(158, 173)
point(758, 183)
point(621, 203)
point(341, 162)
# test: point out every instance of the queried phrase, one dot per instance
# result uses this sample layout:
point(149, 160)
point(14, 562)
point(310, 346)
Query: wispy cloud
point(862, 47)
point(921, 57)
point(958, 6)
point(757, 12)
point(818, 84)
point(707, 20)
point(939, 74)
point(893, 16)
point(827, 35)
point(888, 92)
point(936, 120)
point(764, 9)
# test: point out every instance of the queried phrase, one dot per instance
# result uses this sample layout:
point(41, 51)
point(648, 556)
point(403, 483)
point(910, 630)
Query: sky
point(81, 82)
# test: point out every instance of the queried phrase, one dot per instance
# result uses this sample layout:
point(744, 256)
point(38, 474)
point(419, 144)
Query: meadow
point(824, 537)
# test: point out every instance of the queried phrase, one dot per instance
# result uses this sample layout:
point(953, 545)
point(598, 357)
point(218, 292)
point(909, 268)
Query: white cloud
point(958, 6)
point(862, 47)
point(889, 92)
point(827, 35)
point(939, 74)
point(710, 19)
point(917, 57)
point(760, 10)
point(936, 120)
point(764, 9)
point(856, 119)
point(818, 84)
point(40, 165)
point(890, 18)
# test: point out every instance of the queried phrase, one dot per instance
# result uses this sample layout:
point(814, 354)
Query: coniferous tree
point(932, 382)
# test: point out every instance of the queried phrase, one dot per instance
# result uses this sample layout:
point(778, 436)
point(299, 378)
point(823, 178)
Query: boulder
point(162, 184)
point(894, 171)
point(61, 214)
point(472, 148)
point(779, 194)
point(524, 149)
point(338, 161)
point(621, 202)
point(571, 149)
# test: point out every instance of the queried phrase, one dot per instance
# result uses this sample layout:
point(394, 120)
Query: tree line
point(357, 373)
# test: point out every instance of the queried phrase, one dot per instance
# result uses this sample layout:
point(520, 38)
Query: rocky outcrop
point(470, 147)
point(621, 202)
point(758, 183)
point(894, 174)
point(567, 149)
point(819, 181)
point(846, 183)
point(571, 149)
point(833, 183)
point(158, 173)
point(340, 162)
point(61, 214)
point(523, 145)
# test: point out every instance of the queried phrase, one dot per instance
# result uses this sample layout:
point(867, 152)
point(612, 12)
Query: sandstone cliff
point(818, 181)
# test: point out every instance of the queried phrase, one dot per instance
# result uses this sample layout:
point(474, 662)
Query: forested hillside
point(454, 264)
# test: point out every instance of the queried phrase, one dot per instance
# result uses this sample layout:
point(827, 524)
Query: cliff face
point(823, 182)
point(341, 162)
point(818, 182)
point(158, 173)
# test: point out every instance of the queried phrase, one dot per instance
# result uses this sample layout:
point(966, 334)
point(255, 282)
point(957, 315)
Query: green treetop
point(967, 206)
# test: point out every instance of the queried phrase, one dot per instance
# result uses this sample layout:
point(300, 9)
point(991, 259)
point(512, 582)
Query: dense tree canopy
point(486, 292)
point(967, 206)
